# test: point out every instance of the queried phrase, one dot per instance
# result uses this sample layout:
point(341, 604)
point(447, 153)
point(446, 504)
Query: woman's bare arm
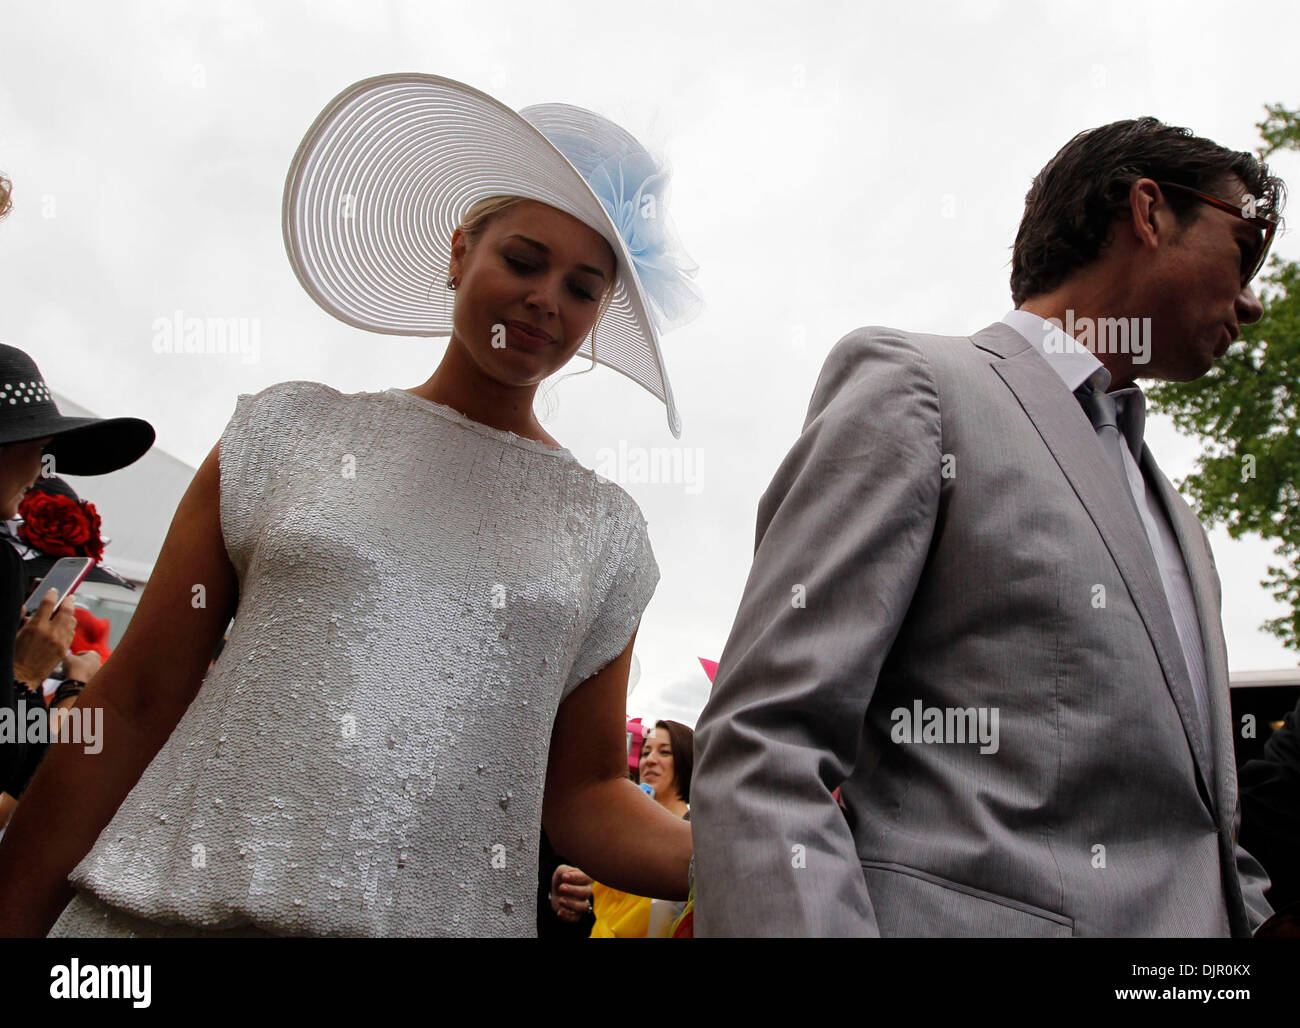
point(593, 814)
point(144, 690)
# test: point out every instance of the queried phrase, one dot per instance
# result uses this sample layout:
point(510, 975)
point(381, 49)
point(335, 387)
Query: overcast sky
point(835, 165)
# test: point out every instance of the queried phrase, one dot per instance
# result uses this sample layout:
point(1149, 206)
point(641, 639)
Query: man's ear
point(1150, 215)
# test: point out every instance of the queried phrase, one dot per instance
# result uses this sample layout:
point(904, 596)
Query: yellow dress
point(619, 915)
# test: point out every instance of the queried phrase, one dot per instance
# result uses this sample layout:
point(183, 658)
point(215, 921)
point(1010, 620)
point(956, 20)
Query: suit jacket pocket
point(911, 903)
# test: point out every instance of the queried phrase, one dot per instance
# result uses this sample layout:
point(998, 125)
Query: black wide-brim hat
point(80, 446)
point(38, 566)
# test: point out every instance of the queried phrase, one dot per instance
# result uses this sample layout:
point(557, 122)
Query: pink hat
point(635, 737)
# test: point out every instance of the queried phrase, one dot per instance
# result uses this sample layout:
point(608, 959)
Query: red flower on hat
point(61, 526)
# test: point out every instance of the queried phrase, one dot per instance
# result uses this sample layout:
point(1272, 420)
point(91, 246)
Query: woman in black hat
point(39, 644)
point(34, 439)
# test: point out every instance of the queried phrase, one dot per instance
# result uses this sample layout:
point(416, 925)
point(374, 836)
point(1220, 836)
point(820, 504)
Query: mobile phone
point(65, 576)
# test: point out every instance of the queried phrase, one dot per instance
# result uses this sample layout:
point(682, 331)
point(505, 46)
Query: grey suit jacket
point(947, 535)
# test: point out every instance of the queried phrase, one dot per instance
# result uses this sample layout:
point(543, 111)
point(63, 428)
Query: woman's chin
point(518, 369)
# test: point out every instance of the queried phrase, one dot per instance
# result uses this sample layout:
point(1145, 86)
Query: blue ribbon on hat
point(633, 188)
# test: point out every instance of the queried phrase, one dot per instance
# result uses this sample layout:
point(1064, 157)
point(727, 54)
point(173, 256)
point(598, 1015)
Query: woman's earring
point(451, 284)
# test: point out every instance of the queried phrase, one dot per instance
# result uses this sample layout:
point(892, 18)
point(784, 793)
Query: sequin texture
point(418, 593)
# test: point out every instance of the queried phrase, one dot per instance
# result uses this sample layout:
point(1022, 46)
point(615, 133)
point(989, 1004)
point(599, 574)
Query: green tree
point(1245, 410)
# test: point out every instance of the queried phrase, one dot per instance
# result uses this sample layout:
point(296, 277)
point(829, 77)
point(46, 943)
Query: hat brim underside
point(39, 566)
point(94, 446)
point(383, 178)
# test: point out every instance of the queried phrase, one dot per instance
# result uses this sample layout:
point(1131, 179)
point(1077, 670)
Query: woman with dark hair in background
point(667, 759)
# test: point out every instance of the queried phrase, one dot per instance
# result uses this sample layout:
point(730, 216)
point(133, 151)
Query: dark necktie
point(1116, 428)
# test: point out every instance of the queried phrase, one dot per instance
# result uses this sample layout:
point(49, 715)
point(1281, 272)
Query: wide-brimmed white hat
point(391, 165)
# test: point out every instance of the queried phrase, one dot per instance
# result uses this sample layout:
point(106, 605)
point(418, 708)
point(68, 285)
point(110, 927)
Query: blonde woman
point(434, 602)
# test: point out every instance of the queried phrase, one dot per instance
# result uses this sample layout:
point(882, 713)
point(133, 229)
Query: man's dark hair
point(1071, 207)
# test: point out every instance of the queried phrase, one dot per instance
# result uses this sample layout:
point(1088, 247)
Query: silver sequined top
point(418, 592)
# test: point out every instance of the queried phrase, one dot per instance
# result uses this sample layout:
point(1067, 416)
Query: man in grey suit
point(979, 608)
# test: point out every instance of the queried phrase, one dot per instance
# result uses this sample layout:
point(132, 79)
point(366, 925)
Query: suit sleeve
point(1254, 884)
point(843, 533)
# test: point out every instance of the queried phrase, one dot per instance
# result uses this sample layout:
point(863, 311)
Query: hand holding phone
point(43, 640)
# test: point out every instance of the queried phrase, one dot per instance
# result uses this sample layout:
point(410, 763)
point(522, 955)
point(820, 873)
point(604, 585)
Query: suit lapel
point(1205, 591)
point(1195, 549)
point(1073, 443)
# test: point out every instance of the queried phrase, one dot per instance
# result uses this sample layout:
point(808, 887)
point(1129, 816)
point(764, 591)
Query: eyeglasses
point(1264, 222)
